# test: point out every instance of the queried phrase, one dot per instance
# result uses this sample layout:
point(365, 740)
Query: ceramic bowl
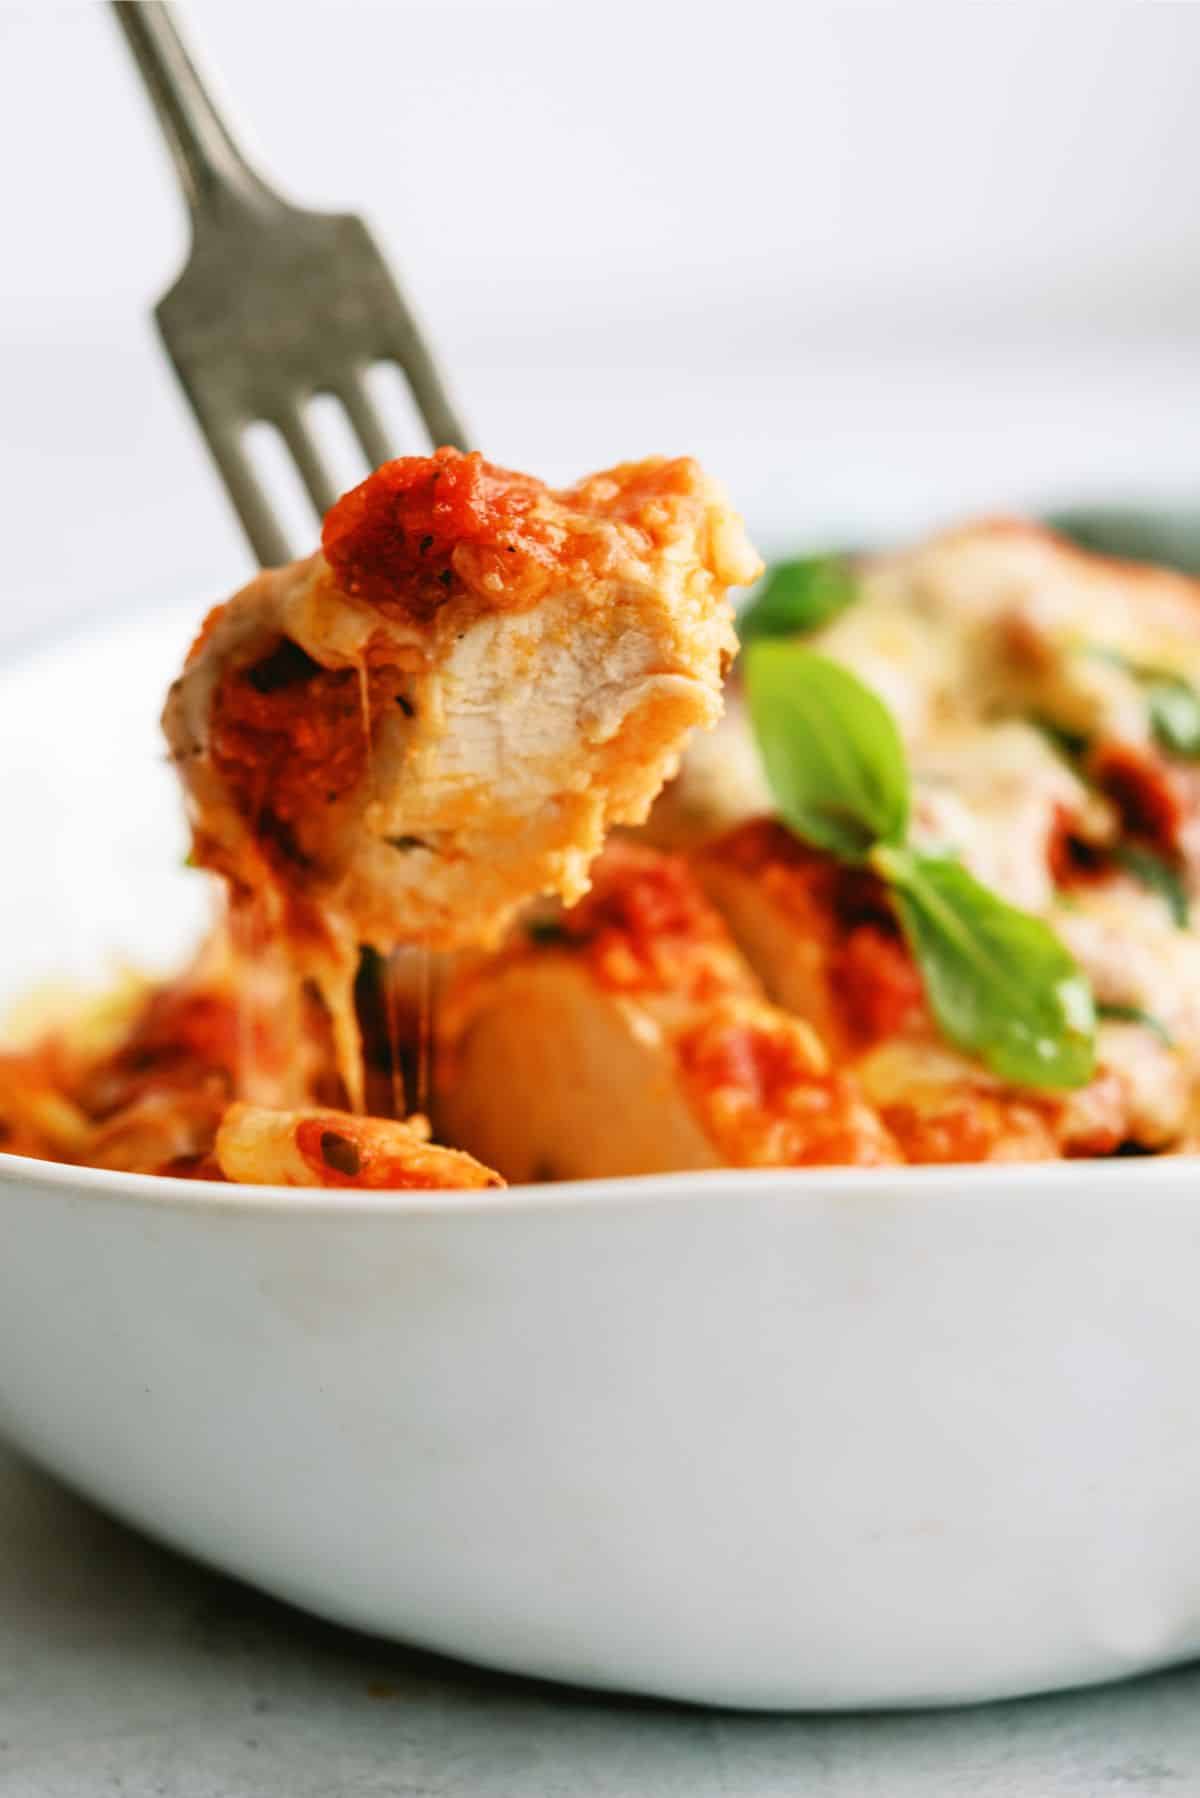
point(822, 1438)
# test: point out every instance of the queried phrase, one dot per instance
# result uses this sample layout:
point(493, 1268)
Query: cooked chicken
point(406, 736)
point(630, 1037)
point(260, 1147)
point(720, 782)
point(440, 715)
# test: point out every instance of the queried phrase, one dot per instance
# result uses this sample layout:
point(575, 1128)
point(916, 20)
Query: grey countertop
point(124, 1669)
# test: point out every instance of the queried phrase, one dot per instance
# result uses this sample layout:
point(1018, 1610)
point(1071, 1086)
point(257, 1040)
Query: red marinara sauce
point(393, 539)
point(290, 737)
point(646, 926)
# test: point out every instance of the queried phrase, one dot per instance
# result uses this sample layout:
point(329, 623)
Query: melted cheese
point(1003, 617)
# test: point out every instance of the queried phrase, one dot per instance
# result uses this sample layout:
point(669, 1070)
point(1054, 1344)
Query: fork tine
point(433, 403)
point(410, 350)
point(369, 428)
point(291, 425)
point(267, 539)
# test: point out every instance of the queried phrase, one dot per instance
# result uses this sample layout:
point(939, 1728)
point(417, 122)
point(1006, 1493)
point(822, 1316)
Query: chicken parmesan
point(925, 894)
point(439, 715)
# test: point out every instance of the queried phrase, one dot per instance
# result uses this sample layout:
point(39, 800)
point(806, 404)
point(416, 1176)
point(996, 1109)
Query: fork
point(275, 306)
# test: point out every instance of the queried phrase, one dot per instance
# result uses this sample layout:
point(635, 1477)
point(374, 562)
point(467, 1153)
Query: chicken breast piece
point(260, 1147)
point(406, 736)
point(630, 1037)
point(720, 782)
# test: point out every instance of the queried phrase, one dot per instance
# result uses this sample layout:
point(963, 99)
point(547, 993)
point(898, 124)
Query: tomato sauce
point(1148, 793)
point(289, 738)
point(767, 1100)
point(396, 539)
point(646, 926)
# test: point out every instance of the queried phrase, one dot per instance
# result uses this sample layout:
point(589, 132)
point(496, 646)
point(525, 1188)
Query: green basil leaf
point(798, 596)
point(1174, 714)
point(998, 980)
point(1133, 1014)
point(1155, 872)
point(832, 754)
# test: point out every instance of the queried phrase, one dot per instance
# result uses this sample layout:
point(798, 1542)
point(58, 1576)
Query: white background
point(877, 266)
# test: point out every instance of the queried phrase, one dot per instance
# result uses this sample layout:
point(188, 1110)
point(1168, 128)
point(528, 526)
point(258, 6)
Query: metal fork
point(275, 305)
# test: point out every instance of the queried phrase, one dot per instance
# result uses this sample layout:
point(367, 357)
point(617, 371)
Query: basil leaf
point(999, 981)
point(798, 596)
point(1156, 873)
point(1174, 714)
point(832, 754)
point(1133, 1014)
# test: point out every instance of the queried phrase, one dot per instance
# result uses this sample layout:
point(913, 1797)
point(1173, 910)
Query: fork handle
point(211, 168)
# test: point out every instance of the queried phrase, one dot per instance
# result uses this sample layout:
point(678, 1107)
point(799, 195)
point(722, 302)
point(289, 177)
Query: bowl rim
point(803, 1185)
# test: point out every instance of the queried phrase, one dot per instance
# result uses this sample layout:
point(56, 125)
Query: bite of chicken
point(406, 736)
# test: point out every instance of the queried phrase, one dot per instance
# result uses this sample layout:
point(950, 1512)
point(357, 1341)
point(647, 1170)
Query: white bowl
point(826, 1438)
